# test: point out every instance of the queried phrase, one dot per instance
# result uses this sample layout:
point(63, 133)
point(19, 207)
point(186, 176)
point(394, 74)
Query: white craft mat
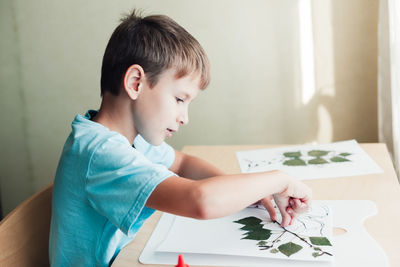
point(359, 162)
point(354, 248)
point(223, 236)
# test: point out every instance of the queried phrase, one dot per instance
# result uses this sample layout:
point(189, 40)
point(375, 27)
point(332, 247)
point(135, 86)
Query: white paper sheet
point(348, 214)
point(223, 236)
point(344, 158)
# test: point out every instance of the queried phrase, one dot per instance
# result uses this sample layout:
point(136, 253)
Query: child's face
point(159, 111)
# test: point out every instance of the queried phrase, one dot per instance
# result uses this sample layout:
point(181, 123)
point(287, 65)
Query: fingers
point(290, 210)
point(293, 200)
point(299, 205)
point(283, 205)
point(299, 190)
point(286, 217)
point(267, 202)
point(292, 214)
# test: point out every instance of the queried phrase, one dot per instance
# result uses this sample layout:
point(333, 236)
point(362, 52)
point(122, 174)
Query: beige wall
point(51, 55)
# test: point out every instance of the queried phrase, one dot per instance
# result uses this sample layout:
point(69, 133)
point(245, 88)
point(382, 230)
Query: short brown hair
point(156, 43)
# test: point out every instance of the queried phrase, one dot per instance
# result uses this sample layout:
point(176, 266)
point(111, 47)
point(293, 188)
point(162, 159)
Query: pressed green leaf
point(316, 254)
point(317, 153)
point(251, 227)
point(261, 234)
point(295, 162)
point(289, 248)
point(249, 221)
point(262, 243)
point(320, 241)
point(317, 161)
point(339, 159)
point(292, 154)
point(344, 154)
point(317, 249)
point(274, 250)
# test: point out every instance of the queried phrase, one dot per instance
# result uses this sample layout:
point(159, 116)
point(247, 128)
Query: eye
point(179, 99)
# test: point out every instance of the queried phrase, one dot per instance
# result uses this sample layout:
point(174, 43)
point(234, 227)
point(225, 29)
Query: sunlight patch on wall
point(306, 51)
point(324, 48)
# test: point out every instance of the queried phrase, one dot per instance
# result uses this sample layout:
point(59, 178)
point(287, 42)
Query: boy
point(116, 169)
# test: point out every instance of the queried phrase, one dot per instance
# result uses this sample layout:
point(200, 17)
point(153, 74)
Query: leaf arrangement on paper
point(250, 232)
point(256, 231)
point(317, 157)
point(289, 242)
point(299, 158)
point(310, 161)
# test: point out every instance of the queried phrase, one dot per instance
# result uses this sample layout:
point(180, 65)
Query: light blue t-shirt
point(100, 189)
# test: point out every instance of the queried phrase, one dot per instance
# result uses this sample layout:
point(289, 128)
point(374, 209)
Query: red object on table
point(181, 262)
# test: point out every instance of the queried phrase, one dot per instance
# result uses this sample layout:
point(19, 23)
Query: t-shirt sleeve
point(120, 180)
point(163, 154)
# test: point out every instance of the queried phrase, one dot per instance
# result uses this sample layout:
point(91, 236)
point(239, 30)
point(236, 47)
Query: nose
point(184, 117)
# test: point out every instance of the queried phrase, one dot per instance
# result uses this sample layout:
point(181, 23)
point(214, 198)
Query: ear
point(133, 81)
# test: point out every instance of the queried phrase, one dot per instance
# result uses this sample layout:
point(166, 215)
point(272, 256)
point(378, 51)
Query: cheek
point(167, 106)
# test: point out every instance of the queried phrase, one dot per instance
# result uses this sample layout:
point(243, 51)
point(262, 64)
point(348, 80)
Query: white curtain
point(389, 77)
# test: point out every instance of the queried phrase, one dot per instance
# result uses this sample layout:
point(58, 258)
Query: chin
point(154, 141)
point(157, 143)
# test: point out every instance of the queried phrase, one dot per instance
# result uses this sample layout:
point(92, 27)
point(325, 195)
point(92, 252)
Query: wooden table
point(383, 189)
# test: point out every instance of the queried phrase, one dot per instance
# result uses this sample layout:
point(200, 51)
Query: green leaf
point(317, 153)
point(317, 249)
point(317, 161)
point(344, 154)
point(262, 243)
point(251, 227)
point(316, 254)
point(292, 154)
point(249, 221)
point(274, 250)
point(320, 241)
point(289, 248)
point(261, 234)
point(339, 159)
point(295, 162)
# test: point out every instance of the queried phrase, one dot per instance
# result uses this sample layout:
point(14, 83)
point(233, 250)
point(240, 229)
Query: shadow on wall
point(344, 103)
point(355, 68)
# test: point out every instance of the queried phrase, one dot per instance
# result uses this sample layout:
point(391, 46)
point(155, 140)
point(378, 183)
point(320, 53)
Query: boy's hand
point(295, 199)
point(269, 206)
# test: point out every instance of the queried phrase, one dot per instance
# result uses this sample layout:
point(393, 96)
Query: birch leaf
point(339, 159)
point(320, 241)
point(251, 227)
point(289, 248)
point(260, 234)
point(292, 154)
point(316, 254)
point(295, 162)
point(249, 221)
point(262, 243)
point(317, 153)
point(317, 161)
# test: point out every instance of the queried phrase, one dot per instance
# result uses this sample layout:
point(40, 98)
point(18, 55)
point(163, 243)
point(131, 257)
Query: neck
point(116, 115)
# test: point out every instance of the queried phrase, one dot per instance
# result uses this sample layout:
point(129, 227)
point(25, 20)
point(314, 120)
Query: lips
point(170, 131)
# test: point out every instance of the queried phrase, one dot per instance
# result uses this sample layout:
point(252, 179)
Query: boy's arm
point(223, 195)
point(193, 167)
